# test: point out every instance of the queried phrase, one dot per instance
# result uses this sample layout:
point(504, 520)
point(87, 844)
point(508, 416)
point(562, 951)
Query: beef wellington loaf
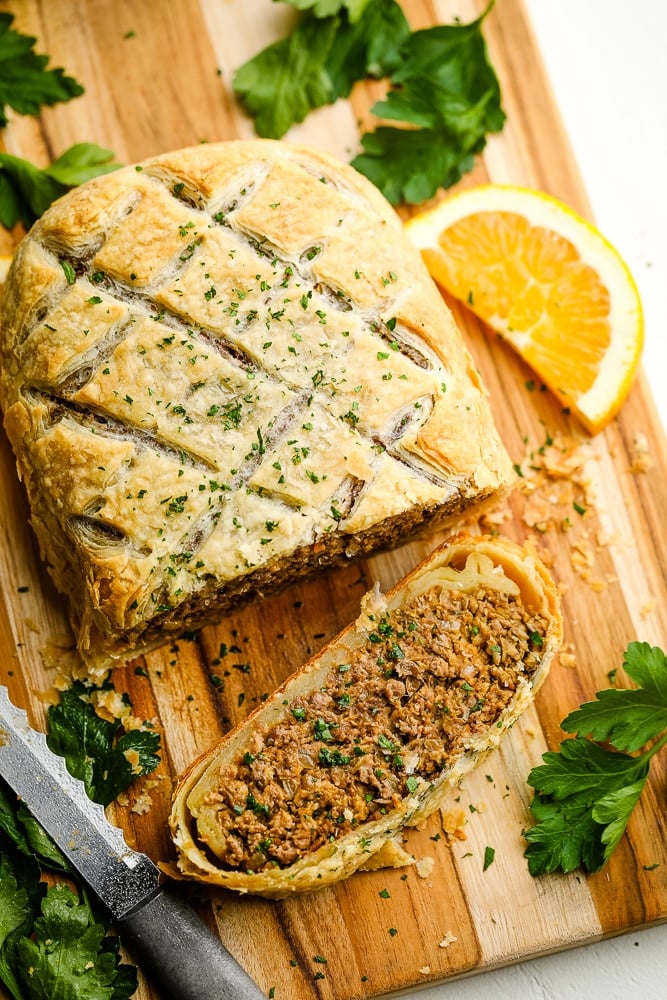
point(223, 368)
point(374, 732)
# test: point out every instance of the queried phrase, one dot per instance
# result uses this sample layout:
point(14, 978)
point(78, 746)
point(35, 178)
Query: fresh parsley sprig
point(26, 191)
point(586, 791)
point(53, 940)
point(26, 82)
point(325, 8)
point(27, 85)
point(447, 93)
point(99, 752)
point(318, 62)
point(443, 89)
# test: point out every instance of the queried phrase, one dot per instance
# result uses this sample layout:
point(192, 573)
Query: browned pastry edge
point(102, 266)
point(370, 844)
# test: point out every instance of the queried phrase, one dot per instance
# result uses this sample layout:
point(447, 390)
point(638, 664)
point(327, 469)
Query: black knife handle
point(179, 953)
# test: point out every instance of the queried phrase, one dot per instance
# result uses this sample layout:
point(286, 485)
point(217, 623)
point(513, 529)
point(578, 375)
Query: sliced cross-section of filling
point(431, 677)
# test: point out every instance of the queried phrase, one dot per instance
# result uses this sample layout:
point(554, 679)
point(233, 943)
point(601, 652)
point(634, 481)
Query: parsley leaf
point(286, 80)
point(628, 718)
point(80, 163)
point(585, 792)
point(443, 89)
point(21, 829)
point(371, 45)
point(319, 61)
point(16, 914)
point(67, 955)
point(410, 165)
point(447, 91)
point(98, 752)
point(20, 886)
point(325, 8)
point(52, 943)
point(25, 82)
point(26, 191)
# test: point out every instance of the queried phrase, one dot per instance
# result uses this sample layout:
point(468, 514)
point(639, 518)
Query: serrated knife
point(175, 948)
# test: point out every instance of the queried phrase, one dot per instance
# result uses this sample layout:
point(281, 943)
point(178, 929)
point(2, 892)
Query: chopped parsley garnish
point(68, 271)
point(257, 807)
point(322, 730)
point(331, 758)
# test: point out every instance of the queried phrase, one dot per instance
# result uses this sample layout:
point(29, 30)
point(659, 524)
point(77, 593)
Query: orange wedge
point(548, 282)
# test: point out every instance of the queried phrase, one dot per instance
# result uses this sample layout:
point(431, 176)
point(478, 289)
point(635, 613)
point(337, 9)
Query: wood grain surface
point(157, 76)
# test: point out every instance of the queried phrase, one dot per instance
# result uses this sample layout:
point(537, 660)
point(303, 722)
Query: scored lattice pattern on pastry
point(220, 368)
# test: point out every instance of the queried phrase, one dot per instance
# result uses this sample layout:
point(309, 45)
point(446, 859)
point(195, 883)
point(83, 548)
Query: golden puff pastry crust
point(374, 732)
point(223, 368)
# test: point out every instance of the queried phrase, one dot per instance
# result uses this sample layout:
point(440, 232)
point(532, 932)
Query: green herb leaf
point(26, 191)
point(80, 163)
point(447, 91)
point(410, 165)
point(96, 751)
point(319, 61)
point(444, 91)
point(18, 902)
point(69, 956)
point(325, 8)
point(26, 85)
point(628, 718)
point(370, 46)
point(613, 811)
point(51, 943)
point(21, 829)
point(565, 836)
point(285, 81)
point(585, 792)
point(39, 843)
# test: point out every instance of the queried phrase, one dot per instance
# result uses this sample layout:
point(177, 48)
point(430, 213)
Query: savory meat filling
point(433, 674)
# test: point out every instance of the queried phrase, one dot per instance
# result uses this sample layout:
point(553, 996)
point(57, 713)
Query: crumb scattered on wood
point(641, 460)
point(448, 939)
point(424, 867)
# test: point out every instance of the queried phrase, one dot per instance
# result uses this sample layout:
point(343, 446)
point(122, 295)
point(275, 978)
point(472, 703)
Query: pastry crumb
point(448, 939)
point(133, 759)
point(143, 804)
point(453, 822)
point(110, 705)
point(424, 867)
point(48, 697)
point(640, 457)
point(566, 656)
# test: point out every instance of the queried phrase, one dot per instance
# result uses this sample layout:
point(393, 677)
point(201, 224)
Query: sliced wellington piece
point(222, 369)
point(374, 732)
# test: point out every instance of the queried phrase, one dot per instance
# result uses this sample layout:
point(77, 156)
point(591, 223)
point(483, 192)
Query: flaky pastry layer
point(374, 732)
point(224, 368)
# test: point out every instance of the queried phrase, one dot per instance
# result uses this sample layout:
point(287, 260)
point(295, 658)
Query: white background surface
point(607, 62)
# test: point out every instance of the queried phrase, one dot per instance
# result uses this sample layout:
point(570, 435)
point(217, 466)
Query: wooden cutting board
point(157, 77)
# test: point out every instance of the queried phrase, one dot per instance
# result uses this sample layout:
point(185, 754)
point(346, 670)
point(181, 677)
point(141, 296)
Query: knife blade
point(177, 950)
